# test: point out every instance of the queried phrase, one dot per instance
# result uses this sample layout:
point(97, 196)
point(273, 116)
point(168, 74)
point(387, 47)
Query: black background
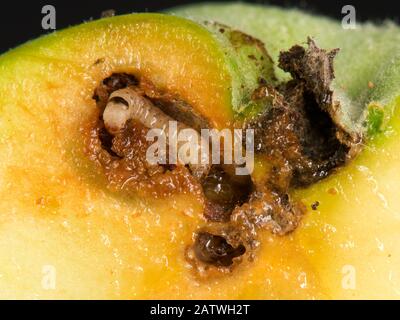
point(135, 310)
point(21, 20)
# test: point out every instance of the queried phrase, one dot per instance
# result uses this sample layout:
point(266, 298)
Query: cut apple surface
point(65, 233)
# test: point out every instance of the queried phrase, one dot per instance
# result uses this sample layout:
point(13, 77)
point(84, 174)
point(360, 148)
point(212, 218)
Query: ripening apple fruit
point(83, 215)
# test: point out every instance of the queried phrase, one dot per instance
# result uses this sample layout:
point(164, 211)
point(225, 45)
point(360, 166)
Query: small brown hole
point(215, 250)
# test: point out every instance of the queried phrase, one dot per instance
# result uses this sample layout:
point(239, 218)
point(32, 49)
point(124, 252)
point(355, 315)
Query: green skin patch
point(249, 65)
point(375, 120)
point(370, 53)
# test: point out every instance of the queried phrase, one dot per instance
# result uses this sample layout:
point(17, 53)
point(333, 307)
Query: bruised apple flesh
point(85, 215)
